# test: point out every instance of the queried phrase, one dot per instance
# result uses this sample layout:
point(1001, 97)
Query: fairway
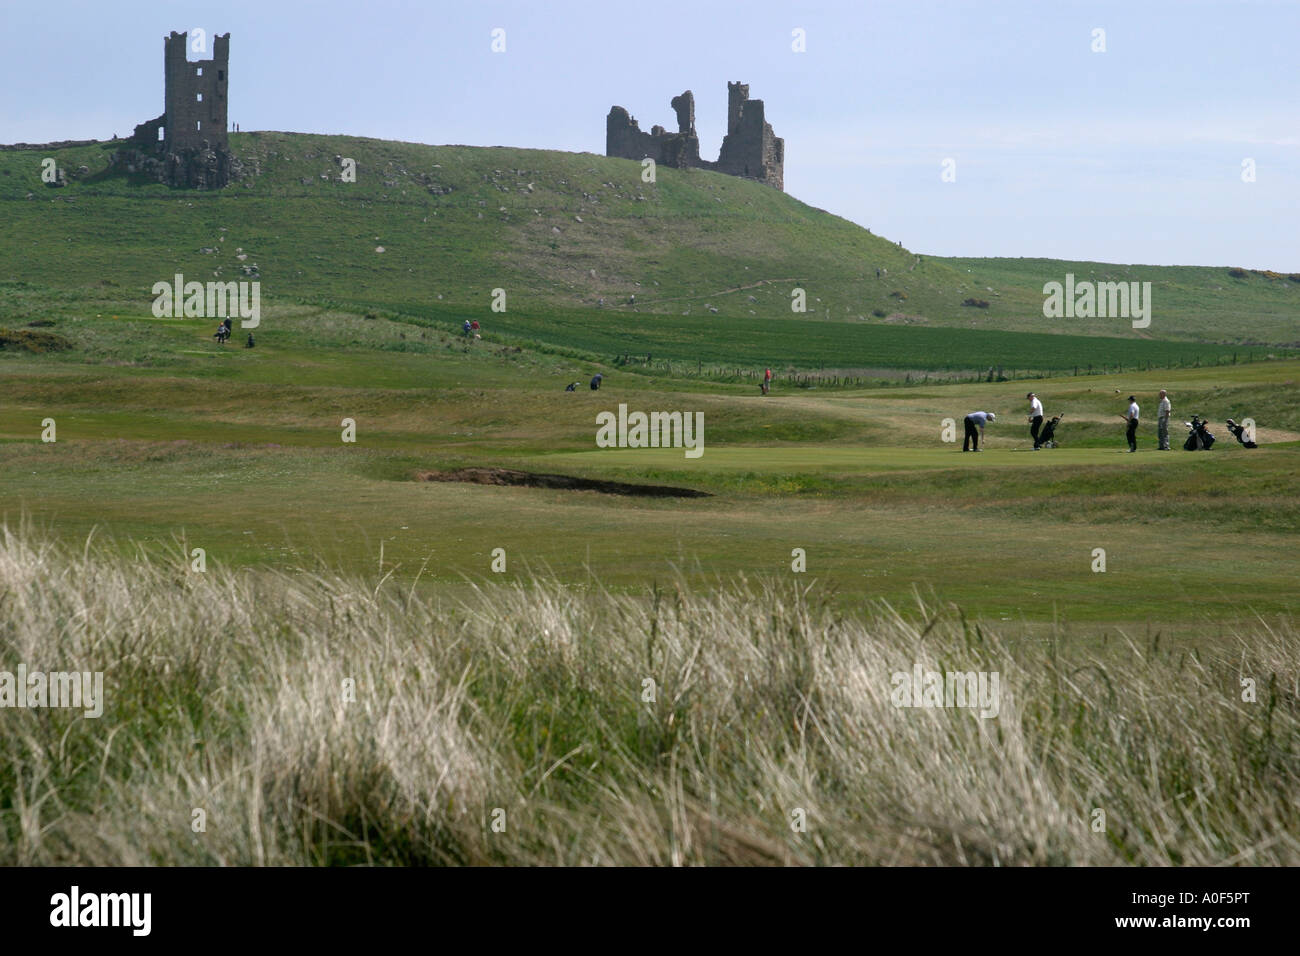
point(255, 471)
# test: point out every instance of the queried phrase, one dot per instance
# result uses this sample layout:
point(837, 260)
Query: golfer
point(1132, 424)
point(976, 420)
point(1035, 417)
point(1162, 420)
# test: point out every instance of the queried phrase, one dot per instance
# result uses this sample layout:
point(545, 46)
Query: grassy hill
point(710, 260)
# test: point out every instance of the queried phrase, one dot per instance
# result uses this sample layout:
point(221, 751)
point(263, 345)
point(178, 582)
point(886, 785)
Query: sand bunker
point(506, 476)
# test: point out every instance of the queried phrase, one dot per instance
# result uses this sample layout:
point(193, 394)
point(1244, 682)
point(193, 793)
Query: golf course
point(229, 531)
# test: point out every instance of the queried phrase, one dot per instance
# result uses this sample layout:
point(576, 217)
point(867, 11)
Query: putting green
point(832, 459)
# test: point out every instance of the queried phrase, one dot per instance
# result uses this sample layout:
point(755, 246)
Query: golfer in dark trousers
point(1035, 417)
point(975, 428)
point(1132, 424)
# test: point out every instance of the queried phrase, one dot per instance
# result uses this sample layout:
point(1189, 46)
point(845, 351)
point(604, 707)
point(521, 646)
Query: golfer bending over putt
point(972, 436)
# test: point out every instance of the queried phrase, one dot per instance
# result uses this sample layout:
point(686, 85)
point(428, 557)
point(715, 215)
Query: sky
point(1172, 137)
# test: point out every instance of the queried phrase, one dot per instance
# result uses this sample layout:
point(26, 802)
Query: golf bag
point(1198, 436)
point(1239, 433)
point(1047, 437)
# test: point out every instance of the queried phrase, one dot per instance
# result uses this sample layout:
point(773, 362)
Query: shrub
point(33, 341)
point(897, 294)
point(1237, 273)
point(879, 313)
point(976, 303)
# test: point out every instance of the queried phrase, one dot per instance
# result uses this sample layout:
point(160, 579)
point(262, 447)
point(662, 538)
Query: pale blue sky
point(1131, 155)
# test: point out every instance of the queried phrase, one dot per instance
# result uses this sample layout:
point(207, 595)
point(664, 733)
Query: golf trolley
point(1198, 436)
point(1047, 437)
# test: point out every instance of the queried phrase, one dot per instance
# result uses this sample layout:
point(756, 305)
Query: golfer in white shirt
point(1132, 424)
point(1035, 417)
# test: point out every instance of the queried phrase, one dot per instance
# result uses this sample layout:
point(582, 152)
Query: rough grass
point(226, 692)
point(30, 341)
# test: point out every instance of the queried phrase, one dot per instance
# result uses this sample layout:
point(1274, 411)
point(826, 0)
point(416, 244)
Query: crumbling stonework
point(623, 137)
point(188, 145)
point(750, 148)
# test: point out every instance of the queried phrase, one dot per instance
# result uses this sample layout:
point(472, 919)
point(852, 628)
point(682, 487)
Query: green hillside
point(587, 253)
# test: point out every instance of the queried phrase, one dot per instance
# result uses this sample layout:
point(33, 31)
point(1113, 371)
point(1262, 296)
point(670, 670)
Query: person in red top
point(767, 381)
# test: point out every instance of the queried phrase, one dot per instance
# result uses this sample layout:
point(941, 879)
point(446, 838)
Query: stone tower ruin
point(750, 148)
point(188, 146)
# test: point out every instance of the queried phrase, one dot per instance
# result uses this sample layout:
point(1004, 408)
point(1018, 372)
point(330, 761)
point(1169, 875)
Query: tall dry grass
point(226, 692)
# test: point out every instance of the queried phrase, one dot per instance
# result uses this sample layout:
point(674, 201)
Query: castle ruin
point(187, 146)
point(750, 148)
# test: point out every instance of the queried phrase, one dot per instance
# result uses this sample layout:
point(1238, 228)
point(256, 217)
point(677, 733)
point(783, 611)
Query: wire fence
point(678, 368)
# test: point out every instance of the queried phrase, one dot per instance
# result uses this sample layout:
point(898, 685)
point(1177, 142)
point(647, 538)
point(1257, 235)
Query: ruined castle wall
point(188, 146)
point(737, 94)
point(684, 106)
point(150, 134)
point(624, 138)
point(749, 149)
point(196, 95)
